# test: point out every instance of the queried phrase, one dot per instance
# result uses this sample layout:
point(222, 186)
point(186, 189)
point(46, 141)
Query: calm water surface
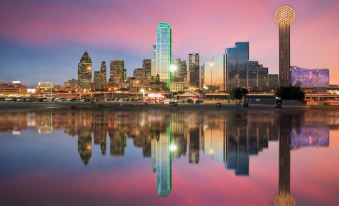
point(244, 157)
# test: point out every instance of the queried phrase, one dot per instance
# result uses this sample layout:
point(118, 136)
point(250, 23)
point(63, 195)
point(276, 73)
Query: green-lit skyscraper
point(163, 53)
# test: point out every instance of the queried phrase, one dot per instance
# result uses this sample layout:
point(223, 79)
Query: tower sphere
point(284, 15)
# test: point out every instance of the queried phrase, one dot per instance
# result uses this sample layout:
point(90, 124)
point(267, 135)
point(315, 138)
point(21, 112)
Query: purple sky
point(43, 40)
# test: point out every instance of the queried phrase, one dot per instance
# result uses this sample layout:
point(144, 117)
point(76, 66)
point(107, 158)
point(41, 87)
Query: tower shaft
point(284, 55)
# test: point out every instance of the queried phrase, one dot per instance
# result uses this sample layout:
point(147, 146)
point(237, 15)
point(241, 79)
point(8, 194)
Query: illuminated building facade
point(194, 69)
point(236, 65)
point(139, 73)
point(12, 89)
point(163, 53)
point(45, 86)
point(180, 75)
point(309, 78)
point(85, 71)
point(100, 79)
point(179, 86)
point(284, 17)
point(117, 73)
point(147, 66)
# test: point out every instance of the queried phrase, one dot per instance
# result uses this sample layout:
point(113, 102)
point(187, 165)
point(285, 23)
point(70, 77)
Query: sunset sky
point(43, 40)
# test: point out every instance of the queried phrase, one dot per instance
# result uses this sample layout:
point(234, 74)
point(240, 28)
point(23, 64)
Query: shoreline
point(138, 106)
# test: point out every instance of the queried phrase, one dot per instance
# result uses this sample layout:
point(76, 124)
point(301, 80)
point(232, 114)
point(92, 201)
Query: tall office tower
point(252, 74)
point(214, 74)
point(100, 78)
point(180, 75)
point(85, 71)
point(164, 163)
point(163, 52)
point(194, 69)
point(118, 72)
point(284, 17)
point(262, 77)
point(236, 65)
point(147, 66)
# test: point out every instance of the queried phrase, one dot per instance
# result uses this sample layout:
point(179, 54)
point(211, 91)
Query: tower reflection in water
point(229, 137)
point(284, 196)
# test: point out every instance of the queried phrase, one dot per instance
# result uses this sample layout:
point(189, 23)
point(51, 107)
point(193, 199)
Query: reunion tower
point(284, 17)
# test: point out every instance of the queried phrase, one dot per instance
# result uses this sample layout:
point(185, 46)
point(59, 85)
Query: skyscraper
point(180, 75)
point(118, 72)
point(163, 53)
point(85, 71)
point(194, 69)
point(236, 65)
point(147, 66)
point(284, 17)
point(100, 79)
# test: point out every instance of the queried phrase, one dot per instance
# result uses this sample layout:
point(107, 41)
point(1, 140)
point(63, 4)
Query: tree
point(238, 92)
point(290, 93)
point(157, 79)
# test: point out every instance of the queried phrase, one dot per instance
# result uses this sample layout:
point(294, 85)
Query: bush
point(290, 93)
point(238, 93)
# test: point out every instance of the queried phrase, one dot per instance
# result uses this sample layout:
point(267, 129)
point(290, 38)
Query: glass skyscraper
point(194, 69)
point(236, 65)
point(163, 53)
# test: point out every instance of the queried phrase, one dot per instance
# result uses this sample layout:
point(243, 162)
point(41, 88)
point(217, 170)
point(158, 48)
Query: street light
point(143, 93)
point(173, 147)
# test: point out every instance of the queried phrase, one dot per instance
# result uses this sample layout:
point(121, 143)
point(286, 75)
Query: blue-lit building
point(163, 53)
point(309, 78)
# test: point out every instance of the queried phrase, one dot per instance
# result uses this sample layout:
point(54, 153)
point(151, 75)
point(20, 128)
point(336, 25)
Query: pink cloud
point(203, 26)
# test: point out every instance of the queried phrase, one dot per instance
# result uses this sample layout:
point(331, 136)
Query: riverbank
point(137, 106)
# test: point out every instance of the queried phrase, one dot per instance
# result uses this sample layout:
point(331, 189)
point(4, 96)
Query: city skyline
point(44, 44)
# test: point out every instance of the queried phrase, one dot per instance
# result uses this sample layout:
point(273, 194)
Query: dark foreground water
point(246, 157)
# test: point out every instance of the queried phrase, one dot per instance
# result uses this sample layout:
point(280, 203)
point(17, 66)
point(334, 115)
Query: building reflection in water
point(229, 137)
point(284, 196)
point(163, 162)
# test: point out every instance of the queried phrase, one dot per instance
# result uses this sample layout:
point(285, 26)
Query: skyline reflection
point(230, 138)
